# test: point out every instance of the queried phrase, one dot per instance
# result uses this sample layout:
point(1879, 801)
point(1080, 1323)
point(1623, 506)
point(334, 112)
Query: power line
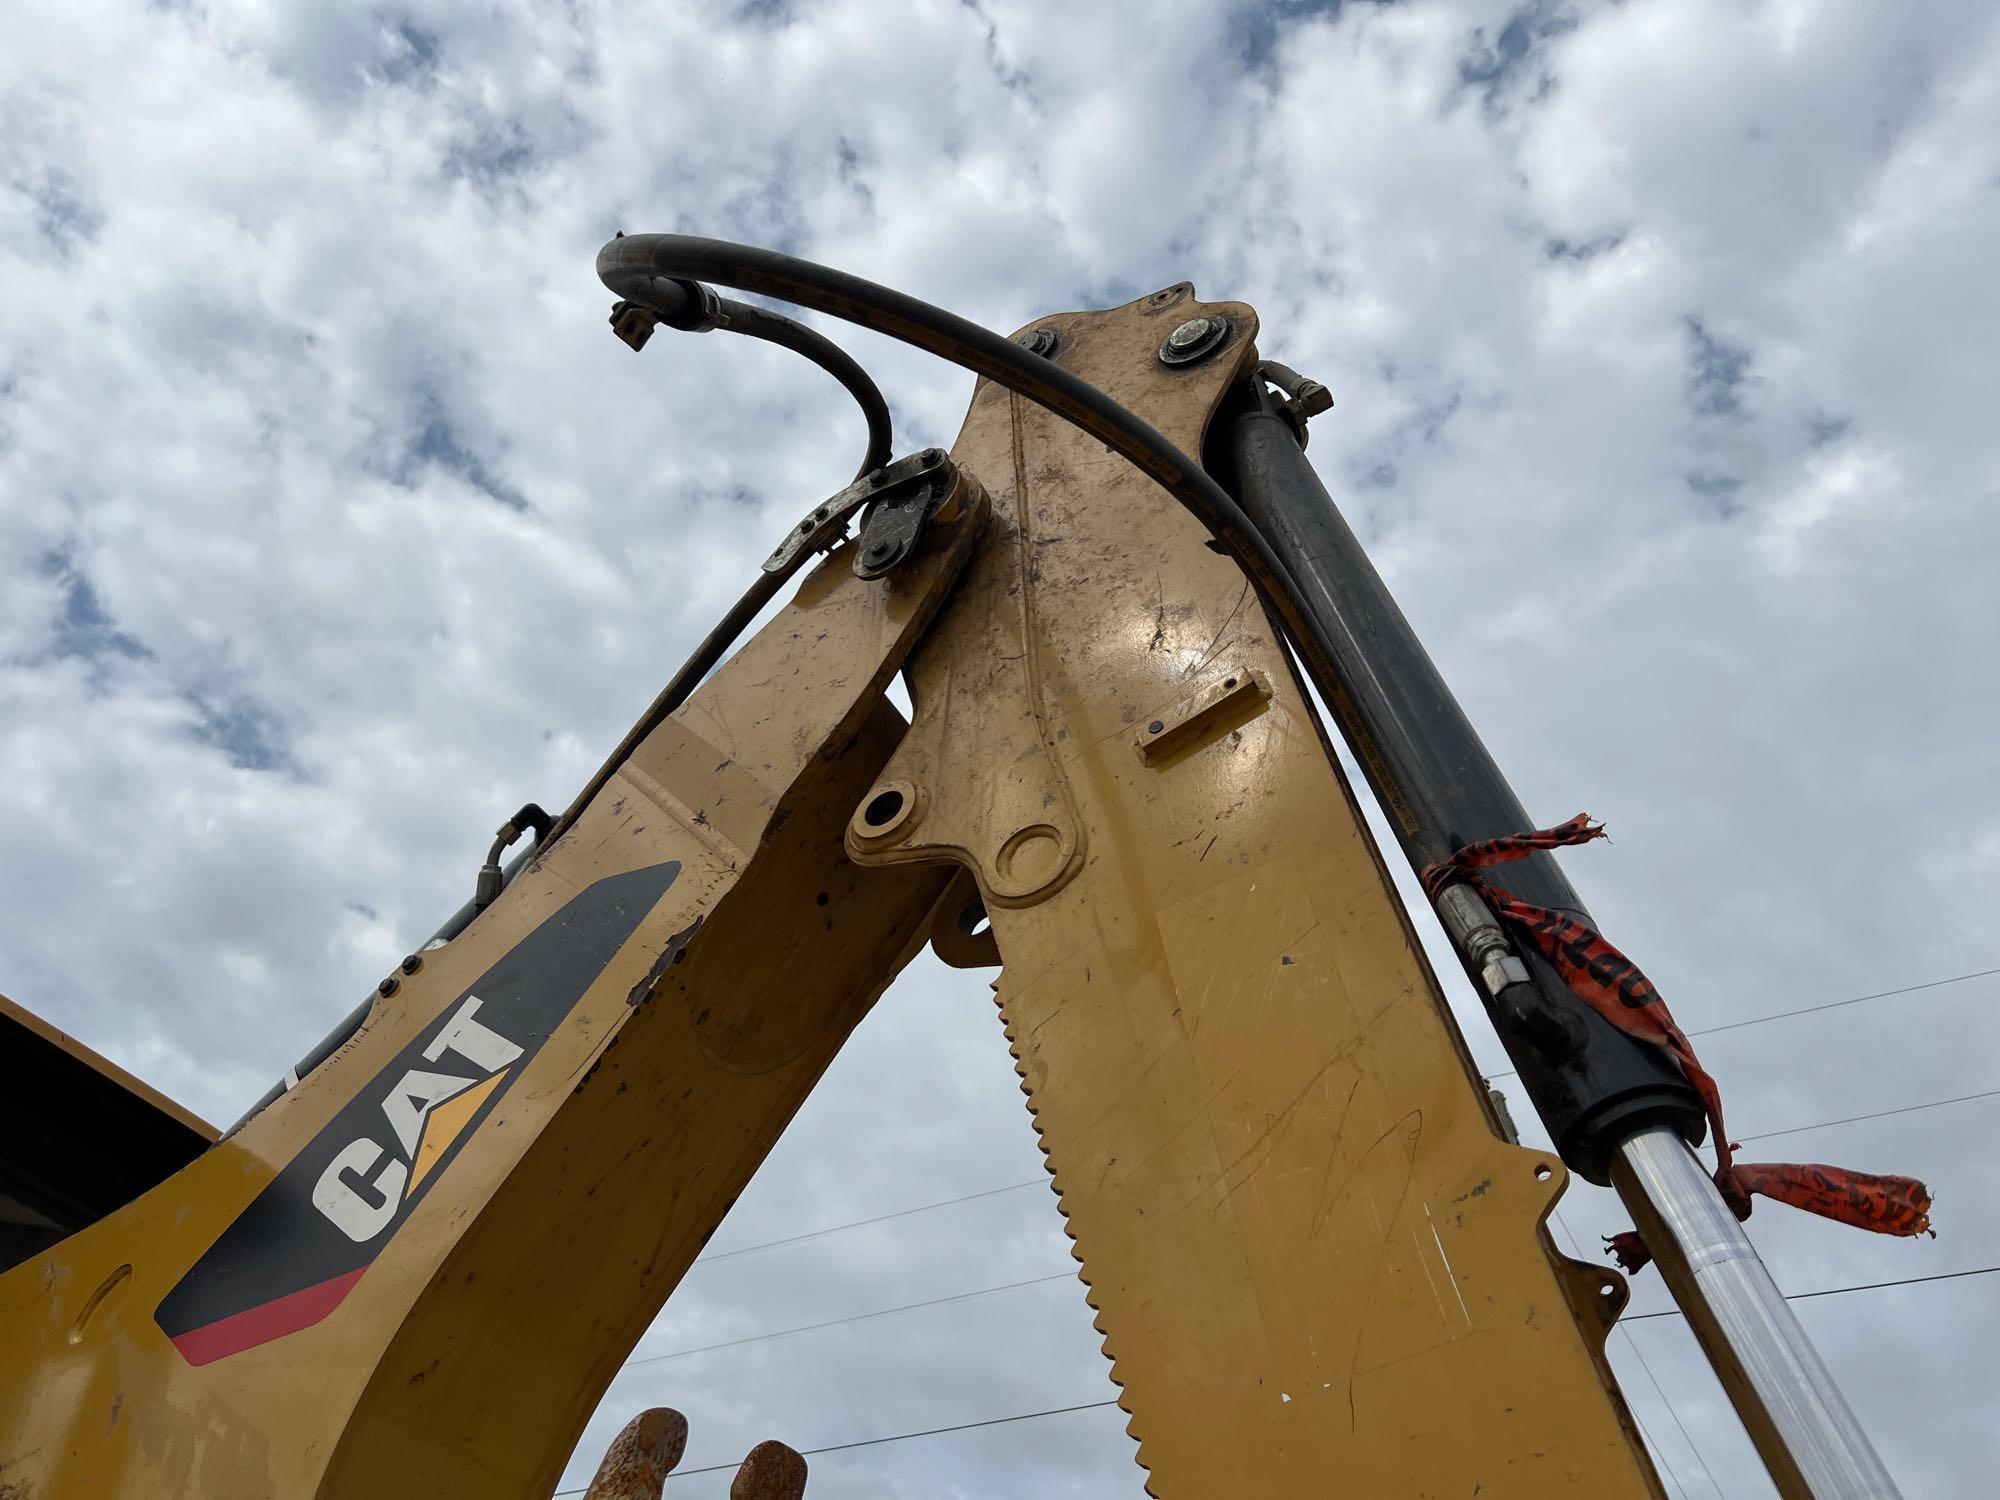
point(904, 1437)
point(1880, 1114)
point(894, 1437)
point(1066, 1275)
point(758, 1338)
point(1808, 1010)
point(1812, 1010)
point(1057, 1411)
point(1833, 1291)
point(1653, 1445)
point(1015, 1187)
point(901, 1213)
point(1658, 1390)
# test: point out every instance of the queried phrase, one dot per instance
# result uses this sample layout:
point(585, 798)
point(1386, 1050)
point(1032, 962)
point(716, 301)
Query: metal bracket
point(825, 526)
point(1228, 701)
point(903, 504)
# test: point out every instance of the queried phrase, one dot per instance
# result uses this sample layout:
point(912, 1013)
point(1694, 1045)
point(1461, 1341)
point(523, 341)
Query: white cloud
point(335, 525)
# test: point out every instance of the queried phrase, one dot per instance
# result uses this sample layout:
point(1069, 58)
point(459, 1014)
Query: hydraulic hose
point(681, 305)
point(694, 308)
point(635, 266)
point(776, 328)
point(663, 272)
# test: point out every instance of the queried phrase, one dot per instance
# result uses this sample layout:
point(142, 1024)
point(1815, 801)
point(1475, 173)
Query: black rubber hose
point(692, 308)
point(656, 271)
point(630, 265)
point(633, 264)
point(678, 307)
point(776, 328)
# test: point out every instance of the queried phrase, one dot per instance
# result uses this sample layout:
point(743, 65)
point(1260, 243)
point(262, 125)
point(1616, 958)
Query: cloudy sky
point(334, 525)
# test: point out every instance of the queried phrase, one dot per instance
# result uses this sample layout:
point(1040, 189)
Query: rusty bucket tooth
point(641, 1457)
point(771, 1472)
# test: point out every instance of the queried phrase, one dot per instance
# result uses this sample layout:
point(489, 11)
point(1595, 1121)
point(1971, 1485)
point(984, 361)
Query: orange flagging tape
point(1613, 986)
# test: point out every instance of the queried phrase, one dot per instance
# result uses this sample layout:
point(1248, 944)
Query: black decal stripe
point(281, 1244)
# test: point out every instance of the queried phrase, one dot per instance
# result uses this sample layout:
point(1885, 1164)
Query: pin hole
point(882, 808)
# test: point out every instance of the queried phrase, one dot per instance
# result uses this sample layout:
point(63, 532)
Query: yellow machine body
point(1318, 1269)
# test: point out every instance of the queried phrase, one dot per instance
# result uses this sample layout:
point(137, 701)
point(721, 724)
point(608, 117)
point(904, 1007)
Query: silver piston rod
point(1803, 1427)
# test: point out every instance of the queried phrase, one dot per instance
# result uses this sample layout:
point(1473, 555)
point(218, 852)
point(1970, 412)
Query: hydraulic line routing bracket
point(902, 499)
point(905, 497)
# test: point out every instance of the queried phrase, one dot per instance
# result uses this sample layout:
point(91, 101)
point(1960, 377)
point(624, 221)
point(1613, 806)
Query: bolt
point(1194, 340)
point(413, 963)
point(879, 550)
point(1155, 727)
point(1040, 341)
point(388, 986)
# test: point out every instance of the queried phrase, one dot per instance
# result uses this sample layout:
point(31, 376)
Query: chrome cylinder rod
point(1802, 1426)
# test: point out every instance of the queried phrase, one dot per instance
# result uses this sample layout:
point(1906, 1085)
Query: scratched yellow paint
point(1317, 1269)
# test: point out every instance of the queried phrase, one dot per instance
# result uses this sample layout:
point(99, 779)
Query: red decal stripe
point(261, 1324)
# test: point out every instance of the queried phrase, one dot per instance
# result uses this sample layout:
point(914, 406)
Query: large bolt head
point(1194, 340)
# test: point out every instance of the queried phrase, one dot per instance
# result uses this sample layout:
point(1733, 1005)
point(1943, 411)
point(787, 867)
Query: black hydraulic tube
point(643, 267)
point(693, 308)
point(787, 333)
point(1592, 1085)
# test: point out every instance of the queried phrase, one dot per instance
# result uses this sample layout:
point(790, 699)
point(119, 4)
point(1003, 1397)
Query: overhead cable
point(758, 1338)
point(901, 1213)
point(894, 1437)
point(1813, 1010)
point(1057, 1411)
point(1833, 1291)
point(1015, 1187)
